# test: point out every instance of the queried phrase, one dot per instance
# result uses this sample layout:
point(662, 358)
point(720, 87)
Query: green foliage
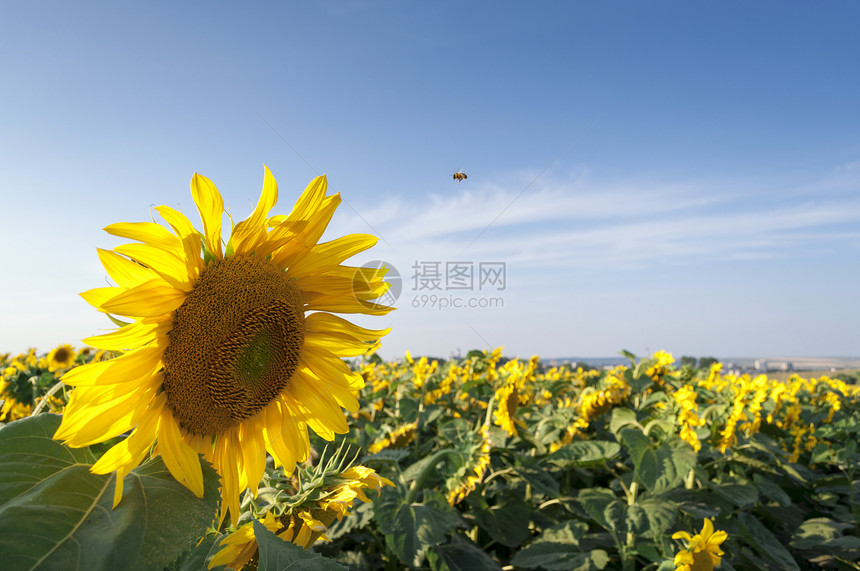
point(410, 529)
point(56, 514)
point(275, 554)
point(594, 470)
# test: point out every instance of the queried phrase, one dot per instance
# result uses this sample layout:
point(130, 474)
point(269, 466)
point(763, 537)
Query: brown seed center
point(235, 344)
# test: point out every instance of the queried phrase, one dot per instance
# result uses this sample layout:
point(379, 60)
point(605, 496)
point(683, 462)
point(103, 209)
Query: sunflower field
point(477, 463)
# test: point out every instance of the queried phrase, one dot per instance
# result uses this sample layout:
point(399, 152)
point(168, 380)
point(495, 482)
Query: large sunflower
point(220, 356)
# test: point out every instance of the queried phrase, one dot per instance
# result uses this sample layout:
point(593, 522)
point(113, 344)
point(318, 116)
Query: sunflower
point(399, 438)
point(468, 477)
point(703, 549)
point(220, 355)
point(62, 357)
point(508, 397)
point(307, 522)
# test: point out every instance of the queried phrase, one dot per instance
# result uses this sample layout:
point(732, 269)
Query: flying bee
point(460, 176)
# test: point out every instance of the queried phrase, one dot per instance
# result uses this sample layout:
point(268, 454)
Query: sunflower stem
point(628, 560)
point(489, 416)
point(55, 389)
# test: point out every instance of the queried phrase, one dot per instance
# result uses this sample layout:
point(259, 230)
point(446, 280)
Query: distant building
point(760, 365)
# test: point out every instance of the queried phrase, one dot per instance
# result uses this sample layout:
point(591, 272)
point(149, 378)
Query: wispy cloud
point(588, 224)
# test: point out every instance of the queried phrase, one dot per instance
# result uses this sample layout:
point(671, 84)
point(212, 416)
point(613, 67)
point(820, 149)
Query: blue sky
point(661, 175)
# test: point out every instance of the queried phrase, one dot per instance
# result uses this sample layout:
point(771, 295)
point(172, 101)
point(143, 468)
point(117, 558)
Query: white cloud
point(592, 225)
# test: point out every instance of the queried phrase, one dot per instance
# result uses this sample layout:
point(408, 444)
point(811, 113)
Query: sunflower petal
point(332, 253)
point(210, 204)
point(100, 421)
point(273, 434)
point(253, 451)
point(150, 233)
point(125, 272)
point(326, 365)
point(146, 300)
point(306, 236)
point(178, 456)
point(167, 264)
point(326, 322)
point(97, 296)
point(190, 238)
point(127, 368)
point(128, 454)
point(249, 234)
point(131, 336)
point(346, 304)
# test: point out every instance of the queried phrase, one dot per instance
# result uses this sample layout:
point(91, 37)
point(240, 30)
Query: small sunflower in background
point(220, 355)
point(703, 551)
point(62, 357)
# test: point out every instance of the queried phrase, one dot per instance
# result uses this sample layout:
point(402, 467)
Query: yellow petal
point(125, 272)
point(311, 199)
point(179, 458)
point(321, 323)
point(346, 304)
point(124, 369)
point(332, 253)
point(322, 406)
point(340, 345)
point(97, 296)
point(354, 282)
point(253, 450)
point(146, 300)
point(128, 454)
point(250, 233)
point(307, 233)
point(273, 435)
point(327, 365)
point(190, 238)
point(150, 233)
point(131, 336)
point(86, 422)
point(167, 264)
point(210, 204)
point(227, 465)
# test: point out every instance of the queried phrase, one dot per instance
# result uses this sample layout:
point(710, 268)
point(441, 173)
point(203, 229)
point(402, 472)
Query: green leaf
point(764, 542)
point(771, 491)
point(278, 555)
point(539, 478)
point(56, 514)
point(651, 516)
point(454, 430)
point(460, 555)
point(603, 507)
point(742, 495)
point(621, 417)
point(507, 522)
point(823, 536)
point(585, 453)
point(361, 515)
point(662, 469)
point(637, 444)
point(408, 409)
point(560, 557)
point(410, 529)
point(557, 548)
point(198, 558)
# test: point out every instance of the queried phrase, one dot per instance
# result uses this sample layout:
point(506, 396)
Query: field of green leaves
point(487, 463)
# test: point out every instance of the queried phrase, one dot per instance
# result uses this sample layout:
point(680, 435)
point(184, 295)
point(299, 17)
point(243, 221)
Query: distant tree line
point(703, 362)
